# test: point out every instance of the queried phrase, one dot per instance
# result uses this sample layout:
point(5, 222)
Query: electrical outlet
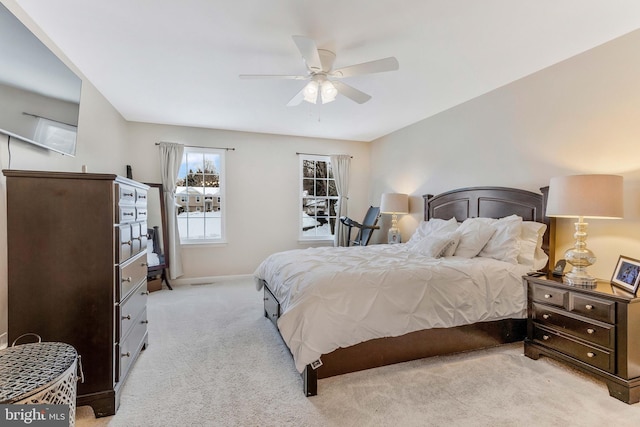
point(3, 341)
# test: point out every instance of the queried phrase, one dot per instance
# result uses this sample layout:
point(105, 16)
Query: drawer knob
point(128, 194)
point(127, 317)
point(588, 307)
point(545, 337)
point(144, 322)
point(590, 331)
point(127, 214)
point(127, 354)
point(590, 354)
point(127, 279)
point(547, 296)
point(265, 299)
point(274, 315)
point(546, 316)
point(127, 243)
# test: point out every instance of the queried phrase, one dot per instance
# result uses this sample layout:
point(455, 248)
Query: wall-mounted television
point(39, 94)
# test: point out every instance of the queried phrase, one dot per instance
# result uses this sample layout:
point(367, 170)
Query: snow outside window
point(318, 198)
point(200, 196)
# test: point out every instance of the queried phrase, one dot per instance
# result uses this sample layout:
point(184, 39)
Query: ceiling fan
point(323, 80)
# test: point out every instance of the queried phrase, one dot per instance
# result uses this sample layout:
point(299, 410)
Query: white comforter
point(337, 297)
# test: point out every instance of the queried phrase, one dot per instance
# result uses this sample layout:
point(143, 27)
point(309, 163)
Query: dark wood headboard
point(492, 202)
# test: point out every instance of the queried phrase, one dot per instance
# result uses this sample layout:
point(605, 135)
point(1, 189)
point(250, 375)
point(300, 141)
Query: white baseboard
point(207, 280)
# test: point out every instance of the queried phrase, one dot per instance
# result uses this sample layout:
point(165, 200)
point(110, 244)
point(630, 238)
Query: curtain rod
point(312, 154)
point(200, 146)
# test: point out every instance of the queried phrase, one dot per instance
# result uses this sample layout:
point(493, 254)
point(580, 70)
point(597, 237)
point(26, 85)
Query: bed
point(342, 310)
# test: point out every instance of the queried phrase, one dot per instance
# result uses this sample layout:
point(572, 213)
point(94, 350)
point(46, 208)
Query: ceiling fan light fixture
point(328, 92)
point(311, 92)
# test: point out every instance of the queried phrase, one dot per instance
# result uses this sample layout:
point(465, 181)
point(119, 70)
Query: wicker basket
point(40, 373)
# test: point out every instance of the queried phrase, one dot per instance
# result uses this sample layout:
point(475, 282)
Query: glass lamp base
point(581, 280)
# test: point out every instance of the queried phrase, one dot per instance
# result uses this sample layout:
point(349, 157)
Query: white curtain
point(340, 164)
point(170, 159)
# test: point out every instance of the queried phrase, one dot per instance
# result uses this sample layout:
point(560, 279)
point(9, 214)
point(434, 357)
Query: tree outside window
point(318, 198)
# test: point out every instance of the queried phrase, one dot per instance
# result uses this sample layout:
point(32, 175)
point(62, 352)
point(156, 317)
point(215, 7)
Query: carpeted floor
point(214, 360)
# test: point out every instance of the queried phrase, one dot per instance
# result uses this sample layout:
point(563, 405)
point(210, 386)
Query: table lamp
point(394, 204)
point(584, 196)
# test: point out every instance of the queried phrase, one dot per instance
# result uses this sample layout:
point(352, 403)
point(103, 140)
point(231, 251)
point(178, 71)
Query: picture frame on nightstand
point(627, 274)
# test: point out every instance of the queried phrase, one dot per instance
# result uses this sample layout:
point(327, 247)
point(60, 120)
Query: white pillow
point(433, 225)
point(531, 253)
point(504, 245)
point(437, 244)
point(474, 234)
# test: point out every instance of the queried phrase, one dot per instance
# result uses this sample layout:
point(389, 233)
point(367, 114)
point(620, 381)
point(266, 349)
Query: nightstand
point(594, 330)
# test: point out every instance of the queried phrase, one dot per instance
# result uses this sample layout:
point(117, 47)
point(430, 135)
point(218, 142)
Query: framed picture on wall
point(627, 274)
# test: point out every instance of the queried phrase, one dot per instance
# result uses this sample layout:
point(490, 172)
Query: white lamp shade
point(589, 196)
point(394, 203)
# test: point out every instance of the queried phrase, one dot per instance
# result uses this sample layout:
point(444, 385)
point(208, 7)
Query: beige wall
point(261, 195)
point(579, 116)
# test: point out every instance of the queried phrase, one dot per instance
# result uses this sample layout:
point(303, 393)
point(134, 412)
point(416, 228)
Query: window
point(318, 198)
point(200, 180)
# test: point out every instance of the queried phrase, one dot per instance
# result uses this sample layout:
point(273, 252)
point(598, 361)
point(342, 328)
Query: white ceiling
point(177, 62)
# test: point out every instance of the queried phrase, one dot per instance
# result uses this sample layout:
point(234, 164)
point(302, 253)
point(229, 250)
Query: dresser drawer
point(549, 295)
point(123, 243)
point(131, 274)
point(141, 213)
point(126, 195)
point(593, 308)
point(592, 331)
point(131, 346)
point(130, 310)
point(136, 243)
point(125, 214)
point(141, 197)
point(591, 355)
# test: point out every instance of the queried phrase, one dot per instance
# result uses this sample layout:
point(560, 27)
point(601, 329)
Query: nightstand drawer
point(593, 308)
point(592, 331)
point(591, 355)
point(548, 295)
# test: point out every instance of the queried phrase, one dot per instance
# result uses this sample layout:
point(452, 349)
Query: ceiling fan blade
point(297, 99)
point(271, 76)
point(309, 52)
point(377, 66)
point(351, 92)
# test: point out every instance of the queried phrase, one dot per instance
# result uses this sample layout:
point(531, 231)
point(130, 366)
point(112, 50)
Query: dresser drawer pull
point(128, 214)
point(129, 242)
point(546, 337)
point(127, 317)
point(590, 354)
point(547, 296)
point(127, 354)
point(142, 196)
point(127, 279)
point(144, 322)
point(127, 194)
point(265, 299)
point(591, 331)
point(546, 316)
point(588, 307)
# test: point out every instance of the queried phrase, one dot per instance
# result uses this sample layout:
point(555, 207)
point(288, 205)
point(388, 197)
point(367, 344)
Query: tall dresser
point(77, 271)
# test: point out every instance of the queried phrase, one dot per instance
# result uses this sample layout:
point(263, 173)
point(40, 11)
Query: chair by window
point(365, 230)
